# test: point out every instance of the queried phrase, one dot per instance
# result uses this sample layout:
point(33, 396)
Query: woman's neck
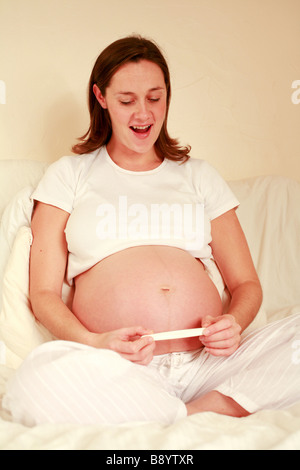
point(133, 161)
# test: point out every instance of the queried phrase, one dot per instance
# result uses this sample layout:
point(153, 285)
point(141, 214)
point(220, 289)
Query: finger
point(133, 331)
point(223, 348)
point(223, 344)
point(142, 357)
point(133, 347)
point(222, 335)
point(222, 352)
point(220, 324)
point(207, 320)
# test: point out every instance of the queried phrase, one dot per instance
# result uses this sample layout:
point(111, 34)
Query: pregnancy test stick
point(177, 334)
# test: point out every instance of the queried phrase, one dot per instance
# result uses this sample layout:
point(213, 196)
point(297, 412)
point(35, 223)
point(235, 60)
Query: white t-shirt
point(112, 209)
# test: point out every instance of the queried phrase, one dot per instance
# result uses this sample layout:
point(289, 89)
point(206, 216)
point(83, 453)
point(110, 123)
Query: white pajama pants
point(63, 382)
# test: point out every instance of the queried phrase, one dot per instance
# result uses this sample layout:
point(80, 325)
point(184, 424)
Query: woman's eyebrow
point(158, 88)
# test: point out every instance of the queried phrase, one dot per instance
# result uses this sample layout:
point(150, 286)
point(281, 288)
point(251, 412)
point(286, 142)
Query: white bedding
point(270, 216)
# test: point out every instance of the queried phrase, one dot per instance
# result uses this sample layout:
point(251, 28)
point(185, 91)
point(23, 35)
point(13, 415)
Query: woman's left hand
point(222, 335)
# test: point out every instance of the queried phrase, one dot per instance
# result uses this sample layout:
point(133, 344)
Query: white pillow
point(19, 330)
point(16, 215)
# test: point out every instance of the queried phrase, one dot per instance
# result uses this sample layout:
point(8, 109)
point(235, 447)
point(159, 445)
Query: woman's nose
point(142, 111)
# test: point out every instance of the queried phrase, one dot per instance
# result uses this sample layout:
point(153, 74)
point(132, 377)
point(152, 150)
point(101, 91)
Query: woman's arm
point(48, 261)
point(232, 255)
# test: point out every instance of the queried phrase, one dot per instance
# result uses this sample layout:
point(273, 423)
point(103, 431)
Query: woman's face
point(136, 101)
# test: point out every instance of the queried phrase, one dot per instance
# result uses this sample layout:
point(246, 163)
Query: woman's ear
point(100, 98)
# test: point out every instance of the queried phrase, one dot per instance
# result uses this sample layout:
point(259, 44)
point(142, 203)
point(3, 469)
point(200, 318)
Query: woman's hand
point(222, 335)
point(128, 342)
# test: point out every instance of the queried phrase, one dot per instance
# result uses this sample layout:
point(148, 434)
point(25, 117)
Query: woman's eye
point(152, 100)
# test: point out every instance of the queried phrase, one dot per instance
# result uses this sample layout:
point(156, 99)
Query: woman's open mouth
point(141, 131)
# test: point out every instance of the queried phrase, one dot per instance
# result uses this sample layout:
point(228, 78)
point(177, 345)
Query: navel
point(165, 288)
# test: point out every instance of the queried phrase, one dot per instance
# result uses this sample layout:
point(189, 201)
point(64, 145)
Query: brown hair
point(129, 49)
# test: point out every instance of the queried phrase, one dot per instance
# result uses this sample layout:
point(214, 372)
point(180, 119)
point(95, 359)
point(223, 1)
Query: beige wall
point(233, 64)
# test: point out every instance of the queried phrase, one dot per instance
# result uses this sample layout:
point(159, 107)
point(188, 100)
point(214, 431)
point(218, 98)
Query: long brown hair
point(129, 49)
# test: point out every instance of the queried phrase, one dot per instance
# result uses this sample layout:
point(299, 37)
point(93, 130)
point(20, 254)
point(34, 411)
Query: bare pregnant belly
point(158, 287)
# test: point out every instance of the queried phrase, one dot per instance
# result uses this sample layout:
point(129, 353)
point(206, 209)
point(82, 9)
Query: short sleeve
point(58, 185)
point(217, 196)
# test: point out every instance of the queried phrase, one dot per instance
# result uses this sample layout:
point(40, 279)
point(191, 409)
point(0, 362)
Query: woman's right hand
point(128, 342)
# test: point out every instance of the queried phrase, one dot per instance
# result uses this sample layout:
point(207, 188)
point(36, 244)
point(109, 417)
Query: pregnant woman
point(146, 235)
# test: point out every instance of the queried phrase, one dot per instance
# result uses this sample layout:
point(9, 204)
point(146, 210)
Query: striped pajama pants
point(65, 382)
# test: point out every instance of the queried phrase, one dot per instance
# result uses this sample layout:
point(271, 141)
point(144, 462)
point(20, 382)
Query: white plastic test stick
point(189, 333)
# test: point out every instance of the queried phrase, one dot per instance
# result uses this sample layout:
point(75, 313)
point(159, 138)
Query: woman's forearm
point(245, 302)
point(50, 310)
point(129, 342)
point(222, 334)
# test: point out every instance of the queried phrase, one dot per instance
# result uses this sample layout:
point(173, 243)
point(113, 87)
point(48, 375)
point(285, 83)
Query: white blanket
point(269, 214)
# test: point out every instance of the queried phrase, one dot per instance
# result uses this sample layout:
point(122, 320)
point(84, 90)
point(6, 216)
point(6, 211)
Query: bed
point(270, 216)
